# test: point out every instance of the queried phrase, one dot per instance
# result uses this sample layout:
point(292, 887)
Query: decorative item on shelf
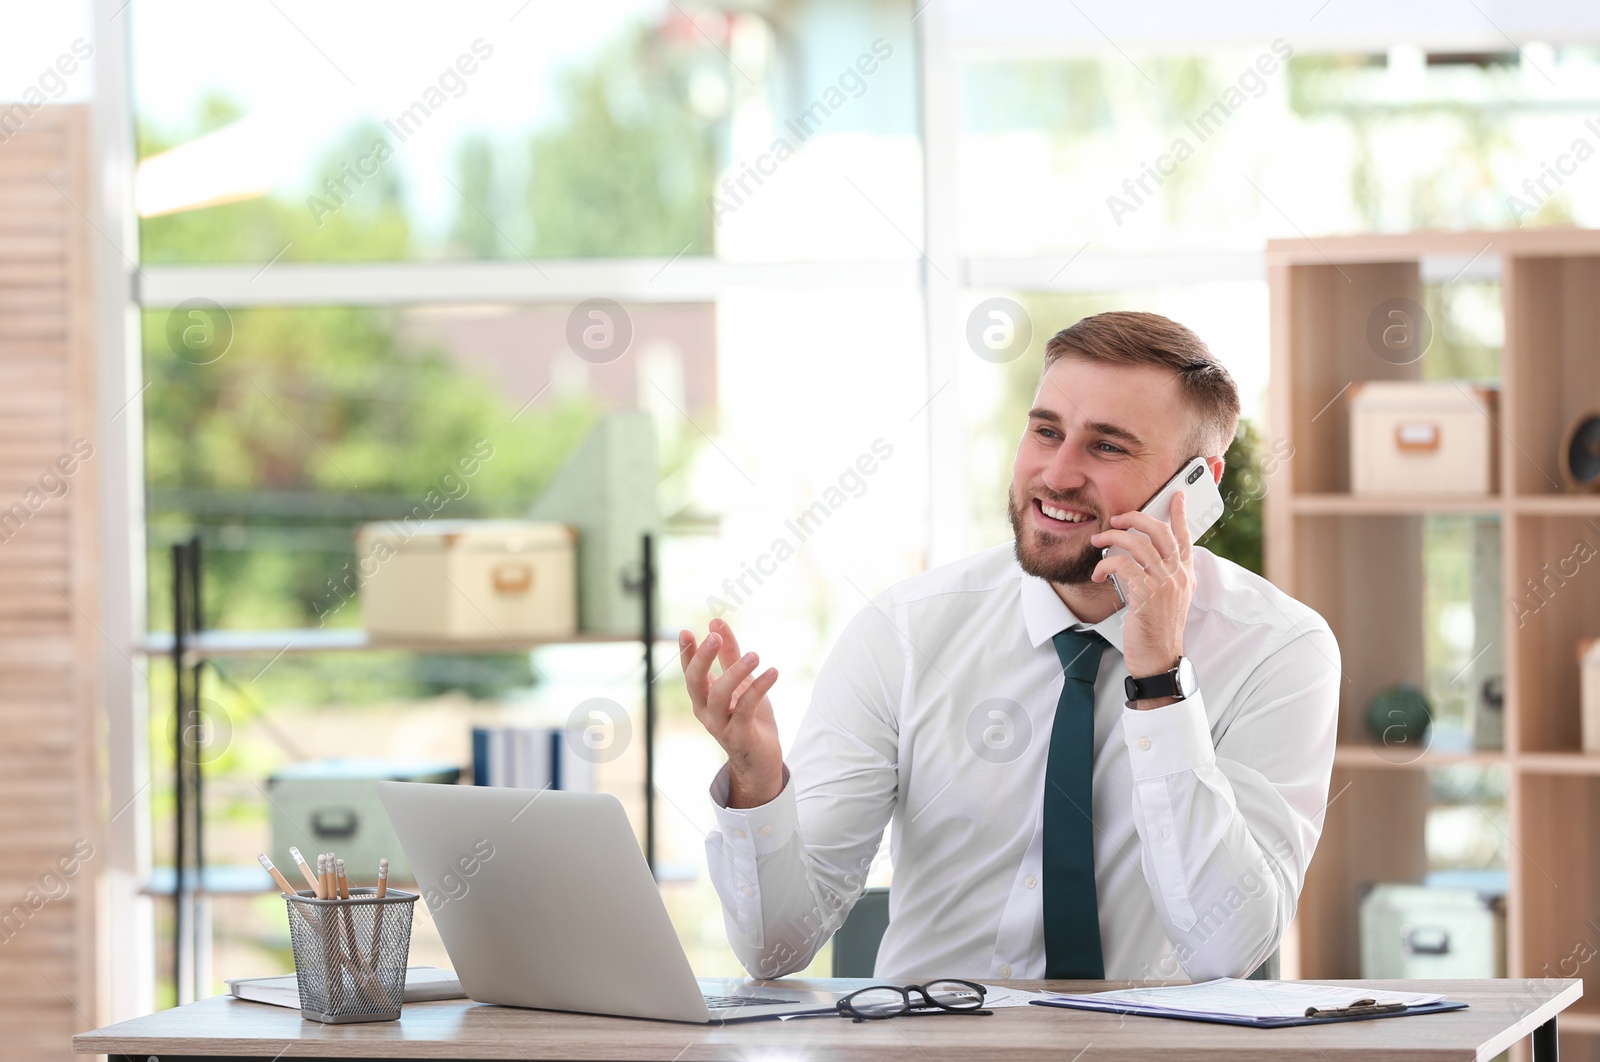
point(468, 580)
point(1400, 716)
point(1589, 685)
point(1422, 437)
point(1580, 454)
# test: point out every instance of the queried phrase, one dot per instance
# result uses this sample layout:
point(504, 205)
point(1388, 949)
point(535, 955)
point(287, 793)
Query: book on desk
point(423, 984)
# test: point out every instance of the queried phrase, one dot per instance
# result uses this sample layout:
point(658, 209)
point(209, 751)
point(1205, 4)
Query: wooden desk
point(1500, 1014)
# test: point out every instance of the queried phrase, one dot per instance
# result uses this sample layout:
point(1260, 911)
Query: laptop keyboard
point(727, 1002)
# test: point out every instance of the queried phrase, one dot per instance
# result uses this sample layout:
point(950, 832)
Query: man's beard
point(1070, 570)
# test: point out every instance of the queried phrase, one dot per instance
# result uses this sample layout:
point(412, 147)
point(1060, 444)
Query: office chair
point(855, 944)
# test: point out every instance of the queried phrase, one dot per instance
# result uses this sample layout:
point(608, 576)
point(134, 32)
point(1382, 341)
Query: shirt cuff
point(1168, 740)
point(757, 830)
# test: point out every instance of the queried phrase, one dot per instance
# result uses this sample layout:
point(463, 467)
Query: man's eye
point(1110, 448)
point(1047, 433)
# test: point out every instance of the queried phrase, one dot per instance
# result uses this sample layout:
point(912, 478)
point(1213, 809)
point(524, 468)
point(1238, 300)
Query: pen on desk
point(300, 861)
point(277, 876)
point(1359, 1007)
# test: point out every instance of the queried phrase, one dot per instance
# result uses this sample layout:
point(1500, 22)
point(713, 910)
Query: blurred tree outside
point(318, 419)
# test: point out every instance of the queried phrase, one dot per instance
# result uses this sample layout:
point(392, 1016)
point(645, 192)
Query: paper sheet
point(1237, 998)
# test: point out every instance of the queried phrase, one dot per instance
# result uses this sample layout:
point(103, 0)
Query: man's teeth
point(1063, 514)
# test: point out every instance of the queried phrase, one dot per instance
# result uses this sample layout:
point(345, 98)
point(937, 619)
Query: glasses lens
point(955, 995)
point(878, 1002)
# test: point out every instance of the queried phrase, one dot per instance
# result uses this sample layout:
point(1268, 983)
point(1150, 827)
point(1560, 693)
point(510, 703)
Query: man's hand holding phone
point(1156, 577)
point(734, 708)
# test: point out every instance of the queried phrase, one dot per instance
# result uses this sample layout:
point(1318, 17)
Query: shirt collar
point(1046, 615)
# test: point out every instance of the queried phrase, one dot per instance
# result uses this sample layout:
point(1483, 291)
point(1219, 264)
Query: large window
point(364, 235)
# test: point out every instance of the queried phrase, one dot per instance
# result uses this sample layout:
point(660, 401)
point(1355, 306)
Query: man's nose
point(1065, 471)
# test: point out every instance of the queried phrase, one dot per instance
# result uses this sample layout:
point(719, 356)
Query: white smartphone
point(1203, 506)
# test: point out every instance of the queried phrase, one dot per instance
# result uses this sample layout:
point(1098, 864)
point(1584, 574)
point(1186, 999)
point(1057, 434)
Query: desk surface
point(1500, 1013)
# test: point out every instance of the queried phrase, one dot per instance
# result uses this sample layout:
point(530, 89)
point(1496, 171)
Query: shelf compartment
point(1556, 874)
point(1352, 853)
point(1328, 311)
point(1552, 600)
point(1553, 326)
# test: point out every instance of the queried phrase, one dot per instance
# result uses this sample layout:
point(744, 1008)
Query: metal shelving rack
point(190, 646)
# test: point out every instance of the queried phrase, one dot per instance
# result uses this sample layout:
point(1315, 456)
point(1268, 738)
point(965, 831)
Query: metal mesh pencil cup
point(350, 955)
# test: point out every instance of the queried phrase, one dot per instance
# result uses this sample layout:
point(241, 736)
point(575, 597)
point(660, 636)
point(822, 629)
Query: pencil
point(322, 875)
point(383, 877)
point(300, 861)
point(277, 876)
point(344, 882)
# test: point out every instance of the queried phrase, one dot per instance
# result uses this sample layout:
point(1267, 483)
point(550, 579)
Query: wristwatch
point(1178, 683)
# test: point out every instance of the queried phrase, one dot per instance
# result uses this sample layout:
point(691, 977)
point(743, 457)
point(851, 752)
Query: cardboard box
point(333, 805)
point(1423, 437)
point(469, 580)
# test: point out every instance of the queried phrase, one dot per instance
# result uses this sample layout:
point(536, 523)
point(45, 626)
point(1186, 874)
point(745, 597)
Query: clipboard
point(1348, 1014)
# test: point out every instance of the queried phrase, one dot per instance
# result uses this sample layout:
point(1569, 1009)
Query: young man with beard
point(1050, 819)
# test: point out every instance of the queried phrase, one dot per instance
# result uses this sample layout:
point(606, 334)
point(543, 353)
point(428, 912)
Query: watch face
point(1185, 677)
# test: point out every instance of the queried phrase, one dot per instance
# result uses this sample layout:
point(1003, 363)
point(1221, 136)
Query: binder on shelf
point(527, 758)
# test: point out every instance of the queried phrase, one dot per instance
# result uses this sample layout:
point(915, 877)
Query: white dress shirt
point(935, 709)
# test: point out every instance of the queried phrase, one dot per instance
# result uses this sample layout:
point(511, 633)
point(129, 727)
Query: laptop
point(543, 899)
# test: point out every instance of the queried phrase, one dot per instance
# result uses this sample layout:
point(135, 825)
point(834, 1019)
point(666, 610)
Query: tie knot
point(1079, 652)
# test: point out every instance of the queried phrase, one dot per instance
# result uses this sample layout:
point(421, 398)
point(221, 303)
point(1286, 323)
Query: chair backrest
point(855, 944)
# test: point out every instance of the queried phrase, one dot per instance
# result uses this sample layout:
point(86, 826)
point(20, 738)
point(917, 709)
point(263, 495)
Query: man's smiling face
point(1101, 439)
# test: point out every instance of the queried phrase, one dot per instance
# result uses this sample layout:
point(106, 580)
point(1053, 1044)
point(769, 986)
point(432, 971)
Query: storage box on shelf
point(1358, 560)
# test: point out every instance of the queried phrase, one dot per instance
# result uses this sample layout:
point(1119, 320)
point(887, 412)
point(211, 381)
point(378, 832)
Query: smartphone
point(1203, 503)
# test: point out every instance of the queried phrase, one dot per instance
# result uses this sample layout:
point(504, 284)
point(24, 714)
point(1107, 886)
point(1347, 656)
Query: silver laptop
point(543, 899)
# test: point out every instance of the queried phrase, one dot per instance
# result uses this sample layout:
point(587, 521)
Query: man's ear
point(1216, 464)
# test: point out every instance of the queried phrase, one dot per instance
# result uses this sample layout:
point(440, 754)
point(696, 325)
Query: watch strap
point(1145, 689)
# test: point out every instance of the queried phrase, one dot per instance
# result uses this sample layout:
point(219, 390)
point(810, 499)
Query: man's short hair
point(1129, 337)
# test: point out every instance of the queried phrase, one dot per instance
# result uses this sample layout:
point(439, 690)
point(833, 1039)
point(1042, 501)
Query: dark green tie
point(1071, 908)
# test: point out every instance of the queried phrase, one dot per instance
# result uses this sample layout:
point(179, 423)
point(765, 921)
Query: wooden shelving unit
point(192, 880)
point(1358, 561)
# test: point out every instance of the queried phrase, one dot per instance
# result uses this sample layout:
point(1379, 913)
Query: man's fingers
point(729, 654)
point(720, 696)
point(1157, 531)
point(1180, 525)
point(751, 694)
point(1125, 568)
point(1144, 551)
point(696, 672)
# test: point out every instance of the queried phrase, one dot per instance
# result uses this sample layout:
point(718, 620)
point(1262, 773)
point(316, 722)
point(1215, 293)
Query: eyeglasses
point(889, 1001)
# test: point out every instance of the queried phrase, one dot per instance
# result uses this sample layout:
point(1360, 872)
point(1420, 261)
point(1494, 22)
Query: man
point(1047, 822)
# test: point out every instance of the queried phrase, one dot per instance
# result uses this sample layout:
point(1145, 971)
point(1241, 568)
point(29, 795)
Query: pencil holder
point(350, 955)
